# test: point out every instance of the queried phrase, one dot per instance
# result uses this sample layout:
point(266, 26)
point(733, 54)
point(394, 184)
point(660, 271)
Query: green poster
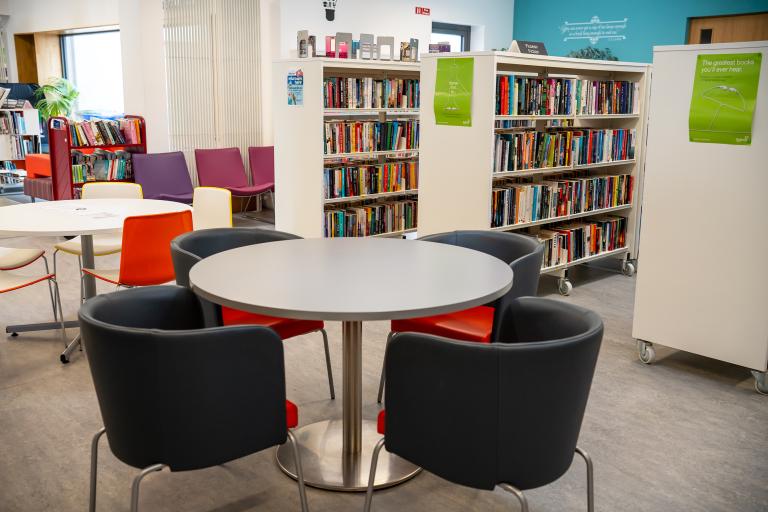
point(453, 91)
point(723, 100)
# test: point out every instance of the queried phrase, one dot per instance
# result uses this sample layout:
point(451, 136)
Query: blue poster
point(296, 87)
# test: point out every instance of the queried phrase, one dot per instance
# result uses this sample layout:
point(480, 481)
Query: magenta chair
point(224, 168)
point(262, 160)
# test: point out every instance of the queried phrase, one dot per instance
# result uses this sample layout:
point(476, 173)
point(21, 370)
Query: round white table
point(84, 217)
point(350, 280)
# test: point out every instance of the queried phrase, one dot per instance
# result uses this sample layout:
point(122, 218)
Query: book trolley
point(459, 170)
point(19, 136)
point(62, 147)
point(305, 153)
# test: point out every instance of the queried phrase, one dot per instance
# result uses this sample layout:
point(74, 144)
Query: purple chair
point(262, 160)
point(163, 176)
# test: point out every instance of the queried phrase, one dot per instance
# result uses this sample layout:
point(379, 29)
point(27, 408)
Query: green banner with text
point(724, 96)
point(453, 91)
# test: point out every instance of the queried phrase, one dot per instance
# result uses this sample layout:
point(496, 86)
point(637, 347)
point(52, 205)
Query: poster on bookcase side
point(724, 97)
point(453, 91)
point(296, 88)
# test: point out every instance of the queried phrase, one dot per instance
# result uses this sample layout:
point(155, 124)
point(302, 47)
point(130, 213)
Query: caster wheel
point(14, 335)
point(646, 353)
point(761, 382)
point(564, 286)
point(628, 268)
point(64, 359)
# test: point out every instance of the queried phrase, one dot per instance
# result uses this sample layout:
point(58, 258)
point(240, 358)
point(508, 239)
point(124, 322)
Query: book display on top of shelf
point(346, 163)
point(91, 151)
point(555, 146)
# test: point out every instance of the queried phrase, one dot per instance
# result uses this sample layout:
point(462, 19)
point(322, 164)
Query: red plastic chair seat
point(381, 422)
point(473, 324)
point(291, 414)
point(284, 327)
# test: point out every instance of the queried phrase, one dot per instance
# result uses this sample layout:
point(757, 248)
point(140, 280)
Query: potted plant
point(56, 98)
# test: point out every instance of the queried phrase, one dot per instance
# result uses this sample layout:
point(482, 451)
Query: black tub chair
point(480, 324)
point(174, 394)
point(506, 413)
point(188, 249)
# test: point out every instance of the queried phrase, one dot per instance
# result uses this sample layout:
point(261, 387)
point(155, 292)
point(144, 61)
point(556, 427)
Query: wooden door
point(728, 29)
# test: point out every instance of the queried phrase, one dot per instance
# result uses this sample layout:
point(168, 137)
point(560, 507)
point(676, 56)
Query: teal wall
point(649, 22)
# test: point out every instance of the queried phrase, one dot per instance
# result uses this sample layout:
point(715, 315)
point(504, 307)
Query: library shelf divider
point(455, 186)
point(61, 147)
point(299, 128)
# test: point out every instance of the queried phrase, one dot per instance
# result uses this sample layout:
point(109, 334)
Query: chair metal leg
point(381, 380)
point(58, 307)
point(372, 475)
point(137, 481)
point(50, 288)
point(94, 462)
point(328, 364)
point(519, 494)
point(590, 479)
point(299, 472)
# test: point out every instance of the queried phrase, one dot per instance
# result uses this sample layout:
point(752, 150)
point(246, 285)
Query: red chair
point(224, 168)
point(146, 256)
point(522, 253)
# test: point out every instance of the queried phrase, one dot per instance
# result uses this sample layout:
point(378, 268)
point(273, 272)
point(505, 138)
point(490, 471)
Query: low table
point(349, 280)
point(84, 217)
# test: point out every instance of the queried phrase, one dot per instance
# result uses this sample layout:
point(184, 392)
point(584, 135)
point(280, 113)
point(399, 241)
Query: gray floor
point(686, 434)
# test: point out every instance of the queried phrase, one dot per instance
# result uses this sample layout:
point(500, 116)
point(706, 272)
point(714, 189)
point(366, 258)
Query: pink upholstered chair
point(224, 168)
point(262, 160)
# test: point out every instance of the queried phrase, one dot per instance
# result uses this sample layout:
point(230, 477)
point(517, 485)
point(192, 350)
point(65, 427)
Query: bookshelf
point(301, 156)
point(19, 135)
point(456, 186)
point(62, 147)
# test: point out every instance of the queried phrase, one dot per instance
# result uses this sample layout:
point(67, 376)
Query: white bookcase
point(12, 140)
point(299, 133)
point(456, 163)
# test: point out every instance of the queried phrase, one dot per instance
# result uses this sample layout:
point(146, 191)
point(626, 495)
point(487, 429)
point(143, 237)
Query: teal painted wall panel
point(648, 23)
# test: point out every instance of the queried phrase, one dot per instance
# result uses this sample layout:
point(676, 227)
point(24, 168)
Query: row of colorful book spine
point(378, 218)
point(569, 242)
point(355, 181)
point(369, 136)
point(105, 132)
point(519, 203)
point(370, 93)
point(534, 96)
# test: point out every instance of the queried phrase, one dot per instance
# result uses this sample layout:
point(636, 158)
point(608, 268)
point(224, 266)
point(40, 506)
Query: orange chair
point(146, 256)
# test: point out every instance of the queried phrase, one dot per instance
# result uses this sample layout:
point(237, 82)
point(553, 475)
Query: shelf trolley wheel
point(761, 382)
point(564, 286)
point(645, 351)
point(628, 268)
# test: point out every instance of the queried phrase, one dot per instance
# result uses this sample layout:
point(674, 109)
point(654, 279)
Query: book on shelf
point(370, 93)
point(358, 180)
point(537, 96)
point(101, 165)
point(519, 203)
point(377, 218)
point(105, 132)
point(561, 147)
point(369, 136)
point(571, 242)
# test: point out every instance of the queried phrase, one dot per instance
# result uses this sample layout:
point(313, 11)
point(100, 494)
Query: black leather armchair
point(175, 394)
point(523, 254)
point(189, 248)
point(506, 413)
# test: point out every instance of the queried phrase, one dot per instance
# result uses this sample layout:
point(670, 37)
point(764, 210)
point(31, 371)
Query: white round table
point(351, 280)
point(84, 217)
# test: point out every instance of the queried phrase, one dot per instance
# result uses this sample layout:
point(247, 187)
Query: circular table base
point(320, 447)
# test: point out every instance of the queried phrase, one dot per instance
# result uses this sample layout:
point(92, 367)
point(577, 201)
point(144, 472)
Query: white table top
point(77, 216)
point(351, 279)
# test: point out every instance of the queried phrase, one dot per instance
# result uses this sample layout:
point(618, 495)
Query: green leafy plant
point(590, 52)
point(56, 98)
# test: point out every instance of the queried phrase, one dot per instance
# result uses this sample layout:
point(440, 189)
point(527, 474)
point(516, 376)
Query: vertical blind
point(212, 69)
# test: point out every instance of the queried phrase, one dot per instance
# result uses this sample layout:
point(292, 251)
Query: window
point(92, 61)
point(457, 35)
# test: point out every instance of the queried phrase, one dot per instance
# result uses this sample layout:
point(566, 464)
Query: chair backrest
point(171, 392)
point(482, 414)
point(262, 162)
point(220, 168)
point(112, 190)
point(162, 173)
point(523, 254)
point(211, 208)
point(146, 255)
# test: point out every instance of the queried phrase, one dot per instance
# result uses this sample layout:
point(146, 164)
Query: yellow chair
point(211, 208)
